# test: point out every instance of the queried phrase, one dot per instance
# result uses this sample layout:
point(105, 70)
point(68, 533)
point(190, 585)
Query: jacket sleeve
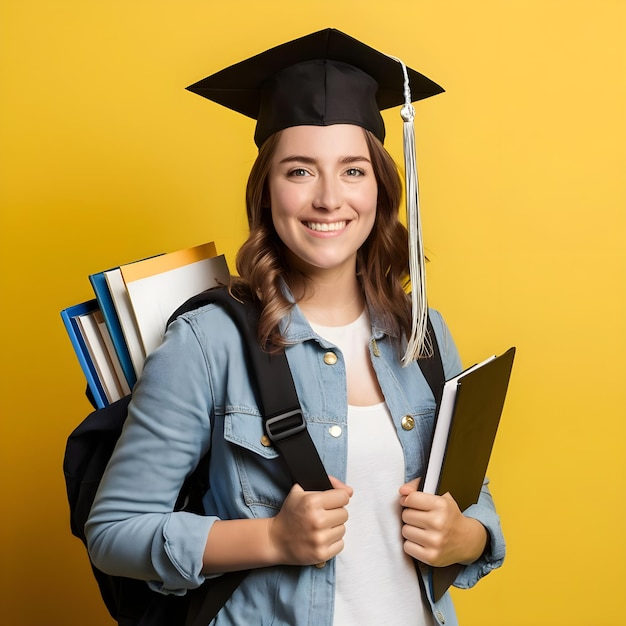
point(131, 530)
point(484, 511)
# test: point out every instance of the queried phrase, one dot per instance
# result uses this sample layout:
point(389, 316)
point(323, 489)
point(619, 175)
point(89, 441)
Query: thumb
point(410, 487)
point(337, 484)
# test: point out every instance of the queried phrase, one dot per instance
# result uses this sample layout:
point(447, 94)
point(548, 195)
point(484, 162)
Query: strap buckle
point(284, 425)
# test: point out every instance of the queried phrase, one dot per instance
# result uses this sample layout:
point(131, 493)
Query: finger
point(332, 499)
point(410, 487)
point(417, 551)
point(448, 497)
point(327, 543)
point(415, 517)
point(418, 544)
point(335, 540)
point(335, 517)
point(415, 534)
point(337, 484)
point(296, 489)
point(325, 509)
point(419, 500)
point(330, 552)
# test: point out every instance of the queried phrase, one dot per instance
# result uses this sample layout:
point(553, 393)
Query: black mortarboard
point(328, 78)
point(323, 78)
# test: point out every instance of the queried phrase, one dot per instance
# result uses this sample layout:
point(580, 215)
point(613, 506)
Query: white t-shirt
point(376, 580)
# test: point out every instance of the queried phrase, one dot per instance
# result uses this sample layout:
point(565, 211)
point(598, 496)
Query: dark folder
point(471, 420)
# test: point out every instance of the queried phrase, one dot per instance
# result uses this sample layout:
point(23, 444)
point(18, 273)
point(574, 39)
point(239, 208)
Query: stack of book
point(113, 333)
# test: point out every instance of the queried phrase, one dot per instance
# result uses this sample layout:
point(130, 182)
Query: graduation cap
point(327, 78)
point(320, 79)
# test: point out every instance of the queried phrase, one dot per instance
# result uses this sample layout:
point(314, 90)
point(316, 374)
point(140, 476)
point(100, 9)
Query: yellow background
point(105, 158)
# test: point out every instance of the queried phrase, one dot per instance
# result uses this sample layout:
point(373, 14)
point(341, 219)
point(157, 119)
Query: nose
point(328, 194)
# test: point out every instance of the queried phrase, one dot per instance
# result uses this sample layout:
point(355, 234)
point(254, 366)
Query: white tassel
point(419, 344)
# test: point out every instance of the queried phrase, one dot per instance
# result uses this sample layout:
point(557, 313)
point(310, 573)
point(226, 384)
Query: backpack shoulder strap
point(276, 392)
point(432, 367)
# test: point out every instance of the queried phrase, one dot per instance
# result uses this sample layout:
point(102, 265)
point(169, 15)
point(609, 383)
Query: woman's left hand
point(435, 530)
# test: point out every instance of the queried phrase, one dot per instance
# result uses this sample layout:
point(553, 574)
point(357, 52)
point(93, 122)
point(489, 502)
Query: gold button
point(330, 358)
point(320, 565)
point(335, 431)
point(266, 441)
point(440, 617)
point(408, 423)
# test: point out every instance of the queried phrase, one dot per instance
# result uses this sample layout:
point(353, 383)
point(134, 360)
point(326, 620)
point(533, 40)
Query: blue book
point(69, 317)
point(105, 301)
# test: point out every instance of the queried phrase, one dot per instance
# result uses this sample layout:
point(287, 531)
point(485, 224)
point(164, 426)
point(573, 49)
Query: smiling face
point(323, 195)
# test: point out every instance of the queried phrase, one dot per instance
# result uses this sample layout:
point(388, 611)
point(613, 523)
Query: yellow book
point(166, 262)
point(156, 287)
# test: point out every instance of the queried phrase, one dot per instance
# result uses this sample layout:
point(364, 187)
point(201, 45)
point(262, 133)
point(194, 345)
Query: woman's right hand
point(310, 526)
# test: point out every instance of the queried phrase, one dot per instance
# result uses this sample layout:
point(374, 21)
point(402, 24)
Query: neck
point(332, 300)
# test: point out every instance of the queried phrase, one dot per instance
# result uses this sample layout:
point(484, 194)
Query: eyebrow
point(299, 158)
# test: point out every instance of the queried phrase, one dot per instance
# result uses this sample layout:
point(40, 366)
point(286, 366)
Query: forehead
point(334, 141)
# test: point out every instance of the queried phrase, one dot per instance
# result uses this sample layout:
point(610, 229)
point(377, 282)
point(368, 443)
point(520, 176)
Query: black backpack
point(131, 602)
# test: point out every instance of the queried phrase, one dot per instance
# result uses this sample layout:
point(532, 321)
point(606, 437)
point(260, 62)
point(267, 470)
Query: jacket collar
point(295, 328)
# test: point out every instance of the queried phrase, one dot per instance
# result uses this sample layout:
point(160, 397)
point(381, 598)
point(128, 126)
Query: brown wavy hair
point(382, 260)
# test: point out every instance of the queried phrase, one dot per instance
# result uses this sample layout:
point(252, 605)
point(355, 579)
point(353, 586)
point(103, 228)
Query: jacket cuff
point(494, 553)
point(178, 559)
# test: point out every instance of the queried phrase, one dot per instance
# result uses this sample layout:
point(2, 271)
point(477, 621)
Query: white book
point(89, 328)
point(156, 287)
point(110, 348)
point(125, 314)
point(442, 428)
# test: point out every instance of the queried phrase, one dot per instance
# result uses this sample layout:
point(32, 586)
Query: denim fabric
point(194, 395)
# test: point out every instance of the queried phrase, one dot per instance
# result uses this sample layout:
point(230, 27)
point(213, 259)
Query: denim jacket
point(194, 395)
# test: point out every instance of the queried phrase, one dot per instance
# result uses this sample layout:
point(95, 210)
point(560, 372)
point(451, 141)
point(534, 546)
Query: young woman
point(327, 260)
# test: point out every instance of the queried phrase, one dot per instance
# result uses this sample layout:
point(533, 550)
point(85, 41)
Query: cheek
point(370, 202)
point(281, 210)
point(285, 203)
point(370, 211)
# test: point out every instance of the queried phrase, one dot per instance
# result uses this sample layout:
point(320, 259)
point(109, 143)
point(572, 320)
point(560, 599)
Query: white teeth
point(325, 227)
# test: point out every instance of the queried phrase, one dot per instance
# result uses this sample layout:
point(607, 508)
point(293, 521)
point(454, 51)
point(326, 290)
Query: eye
point(298, 172)
point(355, 171)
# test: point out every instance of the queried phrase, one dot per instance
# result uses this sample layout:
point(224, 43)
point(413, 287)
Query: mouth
point(326, 227)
